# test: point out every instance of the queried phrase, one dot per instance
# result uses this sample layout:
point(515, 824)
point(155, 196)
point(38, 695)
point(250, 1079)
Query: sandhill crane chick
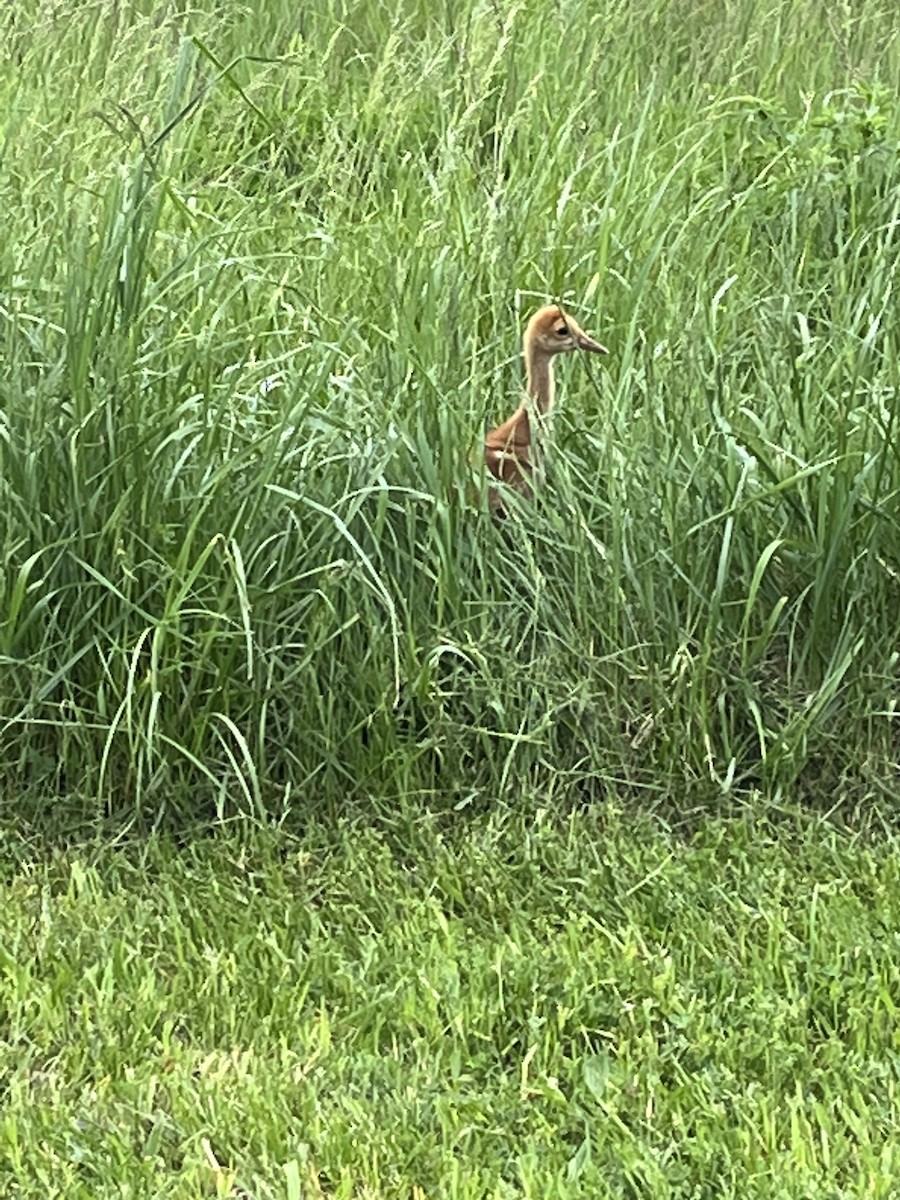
point(509, 450)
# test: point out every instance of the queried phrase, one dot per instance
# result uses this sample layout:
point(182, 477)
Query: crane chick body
point(509, 450)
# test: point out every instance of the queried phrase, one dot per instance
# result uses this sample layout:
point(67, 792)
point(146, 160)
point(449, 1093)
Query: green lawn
point(519, 1005)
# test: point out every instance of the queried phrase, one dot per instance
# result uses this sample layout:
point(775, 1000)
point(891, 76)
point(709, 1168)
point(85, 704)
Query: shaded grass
point(518, 1005)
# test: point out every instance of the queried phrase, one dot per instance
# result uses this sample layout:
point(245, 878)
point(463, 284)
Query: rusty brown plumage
point(511, 450)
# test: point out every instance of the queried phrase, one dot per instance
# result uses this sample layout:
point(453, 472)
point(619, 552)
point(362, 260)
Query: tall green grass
point(262, 287)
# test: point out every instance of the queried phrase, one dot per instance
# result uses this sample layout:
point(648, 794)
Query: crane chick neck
point(539, 375)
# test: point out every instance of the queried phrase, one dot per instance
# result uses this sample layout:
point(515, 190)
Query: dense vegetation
point(220, 594)
point(522, 883)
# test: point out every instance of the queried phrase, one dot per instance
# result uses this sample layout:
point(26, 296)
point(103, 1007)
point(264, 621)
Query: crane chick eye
point(562, 331)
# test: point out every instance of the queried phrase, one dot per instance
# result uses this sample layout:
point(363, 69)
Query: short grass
point(517, 1005)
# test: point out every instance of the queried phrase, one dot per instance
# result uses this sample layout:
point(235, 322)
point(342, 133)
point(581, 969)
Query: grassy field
point(525, 1005)
point(533, 871)
point(224, 597)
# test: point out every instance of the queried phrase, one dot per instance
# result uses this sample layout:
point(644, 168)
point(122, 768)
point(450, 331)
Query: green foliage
point(262, 287)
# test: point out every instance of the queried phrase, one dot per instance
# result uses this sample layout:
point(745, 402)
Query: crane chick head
point(552, 331)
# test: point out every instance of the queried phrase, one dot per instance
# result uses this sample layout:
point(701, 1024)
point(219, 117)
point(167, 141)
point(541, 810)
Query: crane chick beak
point(587, 343)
